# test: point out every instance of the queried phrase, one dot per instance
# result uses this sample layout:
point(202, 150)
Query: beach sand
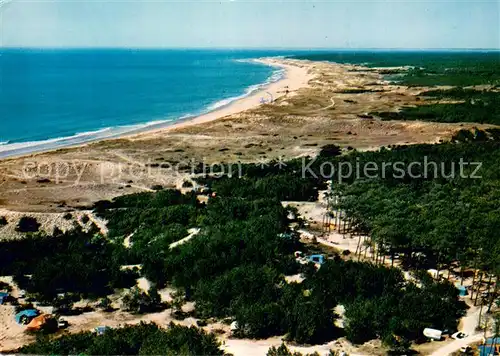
point(296, 77)
point(317, 110)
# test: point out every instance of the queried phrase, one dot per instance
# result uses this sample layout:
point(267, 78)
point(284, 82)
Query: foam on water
point(276, 76)
point(8, 149)
point(19, 148)
point(39, 139)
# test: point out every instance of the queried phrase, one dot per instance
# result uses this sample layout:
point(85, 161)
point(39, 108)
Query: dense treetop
point(142, 339)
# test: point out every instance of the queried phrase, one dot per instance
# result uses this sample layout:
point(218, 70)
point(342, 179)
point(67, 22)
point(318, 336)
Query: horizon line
point(255, 48)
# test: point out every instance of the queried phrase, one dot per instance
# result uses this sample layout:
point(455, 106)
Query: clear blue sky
point(251, 23)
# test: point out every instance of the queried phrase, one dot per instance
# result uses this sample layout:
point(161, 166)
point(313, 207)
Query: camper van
point(433, 334)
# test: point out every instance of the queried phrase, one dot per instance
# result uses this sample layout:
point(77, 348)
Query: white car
point(62, 323)
point(459, 335)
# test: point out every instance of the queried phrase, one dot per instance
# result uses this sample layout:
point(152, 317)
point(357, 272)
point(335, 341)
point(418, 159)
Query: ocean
point(54, 98)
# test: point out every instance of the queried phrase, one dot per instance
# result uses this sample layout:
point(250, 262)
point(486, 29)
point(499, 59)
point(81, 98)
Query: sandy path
point(469, 323)
point(455, 345)
point(12, 335)
point(192, 233)
point(245, 347)
point(313, 212)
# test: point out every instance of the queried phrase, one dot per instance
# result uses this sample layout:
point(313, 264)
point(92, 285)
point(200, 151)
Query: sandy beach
point(319, 108)
point(294, 78)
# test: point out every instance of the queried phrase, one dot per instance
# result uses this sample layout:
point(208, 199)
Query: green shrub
point(142, 339)
point(28, 224)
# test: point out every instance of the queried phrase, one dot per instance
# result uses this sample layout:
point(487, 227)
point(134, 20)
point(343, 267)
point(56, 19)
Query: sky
point(250, 23)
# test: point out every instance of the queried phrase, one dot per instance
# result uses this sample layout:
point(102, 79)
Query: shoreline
point(294, 78)
point(317, 111)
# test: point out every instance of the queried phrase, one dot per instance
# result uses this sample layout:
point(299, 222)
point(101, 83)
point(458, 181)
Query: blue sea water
point(51, 98)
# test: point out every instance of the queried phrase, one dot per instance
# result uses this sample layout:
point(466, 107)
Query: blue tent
point(100, 330)
point(28, 313)
point(3, 297)
point(286, 236)
point(487, 348)
point(491, 341)
point(462, 291)
point(317, 259)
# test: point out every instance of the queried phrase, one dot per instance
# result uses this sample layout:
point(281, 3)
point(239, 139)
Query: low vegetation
point(466, 105)
point(234, 268)
point(142, 339)
point(238, 261)
point(28, 224)
point(424, 68)
point(76, 262)
point(444, 212)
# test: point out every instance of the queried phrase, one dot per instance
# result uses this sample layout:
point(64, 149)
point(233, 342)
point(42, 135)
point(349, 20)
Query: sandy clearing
point(245, 347)
point(49, 221)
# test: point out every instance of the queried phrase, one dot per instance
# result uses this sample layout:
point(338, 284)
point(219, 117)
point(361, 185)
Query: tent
point(3, 297)
point(25, 316)
point(38, 322)
point(462, 290)
point(435, 273)
point(491, 341)
point(317, 259)
point(491, 346)
point(485, 350)
point(100, 330)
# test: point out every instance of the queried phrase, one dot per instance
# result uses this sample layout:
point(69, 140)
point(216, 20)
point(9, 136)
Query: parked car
point(465, 350)
point(62, 324)
point(459, 335)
